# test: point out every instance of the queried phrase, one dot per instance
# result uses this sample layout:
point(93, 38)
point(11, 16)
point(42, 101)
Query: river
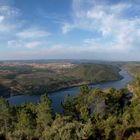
point(58, 97)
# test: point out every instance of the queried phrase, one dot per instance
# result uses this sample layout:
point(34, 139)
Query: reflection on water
point(58, 97)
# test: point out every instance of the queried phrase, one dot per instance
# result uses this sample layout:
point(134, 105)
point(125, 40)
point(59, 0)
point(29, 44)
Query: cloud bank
point(119, 31)
point(115, 27)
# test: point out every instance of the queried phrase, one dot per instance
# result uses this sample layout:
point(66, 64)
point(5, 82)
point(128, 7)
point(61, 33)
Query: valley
point(18, 78)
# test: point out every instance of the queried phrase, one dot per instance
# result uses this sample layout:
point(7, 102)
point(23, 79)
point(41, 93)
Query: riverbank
point(73, 86)
point(58, 96)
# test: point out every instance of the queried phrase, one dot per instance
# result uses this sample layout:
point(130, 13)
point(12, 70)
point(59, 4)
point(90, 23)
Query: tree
point(85, 89)
point(63, 128)
point(5, 116)
point(84, 113)
point(87, 131)
point(44, 113)
point(66, 128)
point(110, 124)
point(25, 126)
point(69, 106)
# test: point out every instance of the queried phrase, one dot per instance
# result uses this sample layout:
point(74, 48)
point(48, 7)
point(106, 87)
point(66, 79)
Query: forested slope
point(91, 115)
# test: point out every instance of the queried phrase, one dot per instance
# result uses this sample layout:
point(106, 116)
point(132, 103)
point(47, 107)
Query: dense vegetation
point(91, 115)
point(37, 78)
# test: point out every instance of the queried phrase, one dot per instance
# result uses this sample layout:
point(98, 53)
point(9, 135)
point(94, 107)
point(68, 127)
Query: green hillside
point(36, 79)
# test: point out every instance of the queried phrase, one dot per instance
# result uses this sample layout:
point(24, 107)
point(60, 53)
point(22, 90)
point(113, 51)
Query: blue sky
point(70, 29)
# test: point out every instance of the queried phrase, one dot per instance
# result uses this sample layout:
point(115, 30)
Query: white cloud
point(9, 11)
point(1, 18)
point(118, 32)
point(24, 44)
point(109, 20)
point(32, 45)
point(66, 28)
point(7, 16)
point(31, 38)
point(14, 43)
point(63, 51)
point(32, 33)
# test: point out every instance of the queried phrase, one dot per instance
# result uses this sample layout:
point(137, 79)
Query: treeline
point(91, 115)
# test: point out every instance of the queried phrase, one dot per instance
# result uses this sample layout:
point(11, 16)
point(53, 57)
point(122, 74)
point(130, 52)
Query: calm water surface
point(58, 97)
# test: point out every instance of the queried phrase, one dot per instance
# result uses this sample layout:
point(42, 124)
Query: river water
point(58, 97)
